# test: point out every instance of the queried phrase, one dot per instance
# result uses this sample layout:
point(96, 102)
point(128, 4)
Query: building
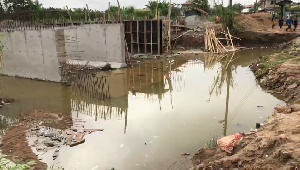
point(273, 4)
point(269, 4)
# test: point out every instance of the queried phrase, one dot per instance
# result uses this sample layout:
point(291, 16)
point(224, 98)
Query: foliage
point(30, 10)
point(237, 7)
point(202, 4)
point(163, 8)
point(128, 12)
point(255, 6)
point(211, 144)
point(6, 164)
point(237, 27)
point(20, 5)
point(211, 18)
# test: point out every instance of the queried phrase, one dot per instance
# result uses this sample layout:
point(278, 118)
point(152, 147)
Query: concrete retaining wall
point(30, 54)
point(39, 53)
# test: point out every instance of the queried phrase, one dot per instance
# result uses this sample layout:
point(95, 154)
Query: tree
point(201, 4)
point(128, 12)
point(256, 5)
point(12, 6)
point(237, 7)
point(163, 8)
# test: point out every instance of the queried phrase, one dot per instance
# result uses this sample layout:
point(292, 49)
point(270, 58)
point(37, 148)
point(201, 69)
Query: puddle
point(151, 113)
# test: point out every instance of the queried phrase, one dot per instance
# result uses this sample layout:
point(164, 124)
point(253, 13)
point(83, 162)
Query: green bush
point(6, 164)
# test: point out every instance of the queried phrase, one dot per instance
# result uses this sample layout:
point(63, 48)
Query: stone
point(285, 155)
point(234, 159)
point(226, 163)
point(218, 162)
point(200, 166)
point(263, 81)
point(292, 86)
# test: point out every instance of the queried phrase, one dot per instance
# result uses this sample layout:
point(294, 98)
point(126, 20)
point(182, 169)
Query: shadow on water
point(151, 112)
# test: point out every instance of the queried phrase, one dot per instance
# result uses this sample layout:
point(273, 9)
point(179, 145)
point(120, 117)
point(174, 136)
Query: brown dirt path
point(15, 144)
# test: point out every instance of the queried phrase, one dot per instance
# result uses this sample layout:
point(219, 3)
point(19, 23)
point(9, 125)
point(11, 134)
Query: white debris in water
point(121, 146)
point(96, 167)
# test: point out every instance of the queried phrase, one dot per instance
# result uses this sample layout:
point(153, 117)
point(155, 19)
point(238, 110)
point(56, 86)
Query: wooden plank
point(151, 37)
point(158, 36)
point(138, 36)
point(131, 36)
point(145, 37)
point(230, 39)
point(169, 26)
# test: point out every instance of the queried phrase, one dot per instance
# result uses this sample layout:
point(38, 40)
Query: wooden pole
point(230, 39)
point(157, 14)
point(205, 39)
point(88, 12)
point(108, 12)
point(158, 34)
point(69, 15)
point(169, 31)
point(119, 11)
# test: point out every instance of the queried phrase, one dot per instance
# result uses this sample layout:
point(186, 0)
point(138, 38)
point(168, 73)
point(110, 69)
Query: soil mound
point(254, 22)
point(280, 73)
point(276, 146)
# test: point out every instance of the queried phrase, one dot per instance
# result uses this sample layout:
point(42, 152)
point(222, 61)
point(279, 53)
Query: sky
point(103, 4)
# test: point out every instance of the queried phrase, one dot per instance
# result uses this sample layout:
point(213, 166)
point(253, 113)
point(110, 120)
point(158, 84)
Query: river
point(151, 113)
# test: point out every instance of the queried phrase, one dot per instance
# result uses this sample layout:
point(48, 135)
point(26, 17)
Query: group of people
point(289, 23)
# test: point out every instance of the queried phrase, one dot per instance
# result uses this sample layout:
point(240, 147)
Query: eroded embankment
point(257, 39)
point(15, 144)
point(277, 144)
point(280, 72)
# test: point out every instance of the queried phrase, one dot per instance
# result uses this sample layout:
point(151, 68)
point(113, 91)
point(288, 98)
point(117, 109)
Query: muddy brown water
point(156, 110)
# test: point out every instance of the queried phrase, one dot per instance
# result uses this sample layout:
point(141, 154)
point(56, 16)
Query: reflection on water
point(151, 112)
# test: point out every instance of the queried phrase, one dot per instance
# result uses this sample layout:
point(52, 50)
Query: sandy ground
point(261, 22)
point(15, 145)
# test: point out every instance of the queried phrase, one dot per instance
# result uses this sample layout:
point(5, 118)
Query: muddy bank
point(256, 39)
point(15, 145)
point(195, 40)
point(280, 73)
point(275, 146)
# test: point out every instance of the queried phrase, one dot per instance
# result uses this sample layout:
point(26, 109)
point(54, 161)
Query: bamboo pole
point(69, 15)
point(169, 31)
point(108, 12)
point(119, 11)
point(230, 39)
point(88, 13)
point(156, 12)
point(205, 39)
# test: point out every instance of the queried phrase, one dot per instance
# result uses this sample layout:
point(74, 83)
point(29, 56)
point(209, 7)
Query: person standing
point(295, 23)
point(281, 22)
point(273, 21)
point(289, 24)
